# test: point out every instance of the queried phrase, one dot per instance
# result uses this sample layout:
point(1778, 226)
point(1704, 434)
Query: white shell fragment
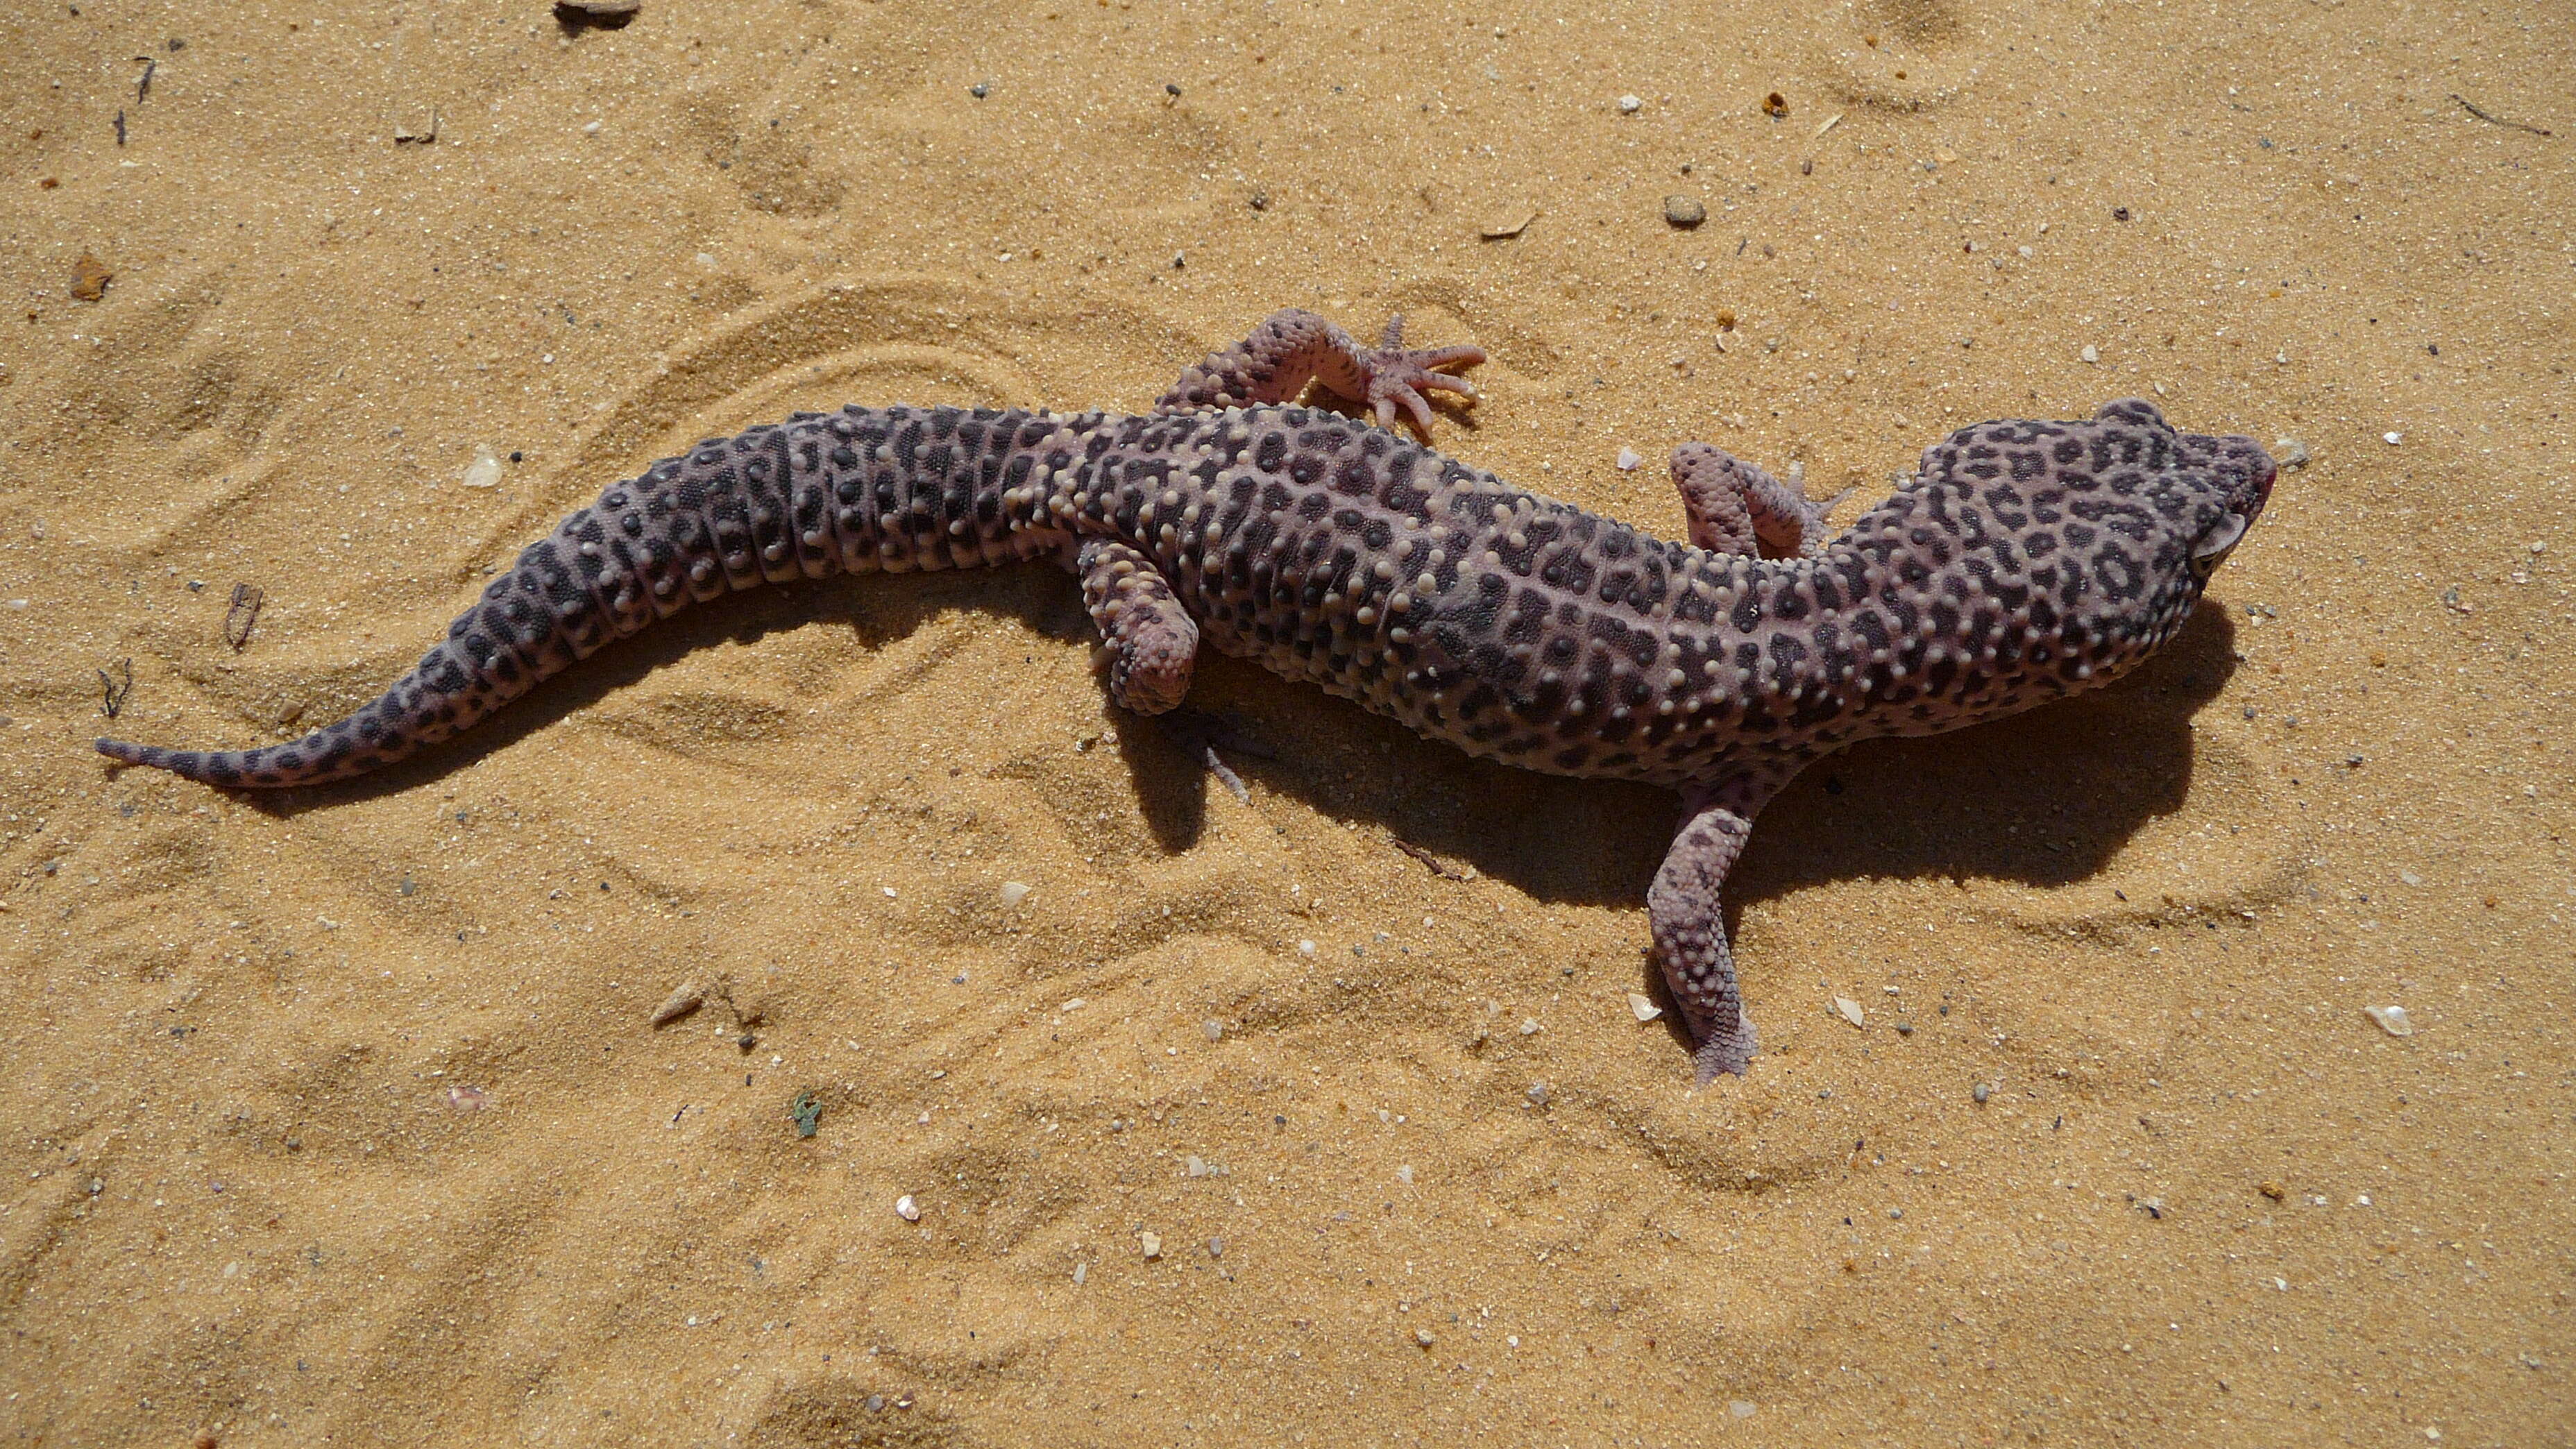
point(686, 997)
point(1628, 460)
point(1643, 1007)
point(906, 1209)
point(2391, 1019)
point(1013, 893)
point(485, 470)
point(1849, 1010)
point(1152, 1243)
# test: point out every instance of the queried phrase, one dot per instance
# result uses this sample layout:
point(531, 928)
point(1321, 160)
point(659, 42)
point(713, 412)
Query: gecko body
point(2024, 561)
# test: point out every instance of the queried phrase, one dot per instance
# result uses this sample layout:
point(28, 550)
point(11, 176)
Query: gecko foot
point(1729, 1053)
point(1397, 377)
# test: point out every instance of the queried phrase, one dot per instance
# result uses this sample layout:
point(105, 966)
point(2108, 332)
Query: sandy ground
point(340, 1117)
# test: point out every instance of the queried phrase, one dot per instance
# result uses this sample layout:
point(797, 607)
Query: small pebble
point(90, 278)
point(979, 90)
point(1849, 1009)
point(2392, 439)
point(2090, 353)
point(1423, 1336)
point(601, 9)
point(1214, 1028)
point(2273, 1190)
point(1081, 1272)
point(1013, 893)
point(1305, 948)
point(1740, 1408)
point(1628, 460)
point(2391, 1019)
point(1630, 105)
point(906, 1209)
point(1404, 1174)
point(1537, 1094)
point(1982, 1092)
point(1529, 1026)
point(1895, 1214)
point(1643, 1007)
point(2289, 452)
point(468, 1099)
point(1197, 1166)
point(1684, 211)
point(1152, 1243)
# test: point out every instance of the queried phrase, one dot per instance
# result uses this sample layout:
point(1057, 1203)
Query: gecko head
point(2197, 493)
point(2114, 524)
point(2229, 479)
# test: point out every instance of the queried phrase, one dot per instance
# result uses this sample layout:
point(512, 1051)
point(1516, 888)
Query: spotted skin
point(2024, 561)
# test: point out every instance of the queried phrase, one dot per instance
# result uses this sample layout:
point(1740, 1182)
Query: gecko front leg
point(1295, 347)
point(1735, 507)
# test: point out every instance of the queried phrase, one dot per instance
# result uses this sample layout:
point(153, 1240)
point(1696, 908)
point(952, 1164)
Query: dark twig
point(2494, 120)
point(1439, 867)
point(242, 615)
point(143, 87)
point(112, 694)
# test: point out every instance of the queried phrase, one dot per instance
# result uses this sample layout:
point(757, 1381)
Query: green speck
point(807, 1109)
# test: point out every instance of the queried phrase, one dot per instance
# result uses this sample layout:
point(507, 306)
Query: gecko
point(2023, 561)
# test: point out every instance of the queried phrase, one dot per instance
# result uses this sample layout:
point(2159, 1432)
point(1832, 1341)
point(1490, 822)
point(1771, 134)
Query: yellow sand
point(340, 1116)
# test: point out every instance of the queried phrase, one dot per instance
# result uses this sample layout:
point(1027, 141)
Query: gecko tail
point(322, 756)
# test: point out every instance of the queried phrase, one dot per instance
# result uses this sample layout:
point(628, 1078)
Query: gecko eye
point(2212, 548)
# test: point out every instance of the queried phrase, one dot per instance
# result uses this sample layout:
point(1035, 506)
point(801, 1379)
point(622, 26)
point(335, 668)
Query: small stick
point(242, 615)
point(143, 87)
point(1225, 775)
point(2471, 107)
point(1439, 867)
point(113, 694)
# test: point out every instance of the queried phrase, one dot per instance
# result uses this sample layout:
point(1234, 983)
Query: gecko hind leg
point(1687, 914)
point(1152, 641)
point(1294, 347)
point(1736, 507)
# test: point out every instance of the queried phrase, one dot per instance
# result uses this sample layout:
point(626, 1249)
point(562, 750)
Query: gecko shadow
point(2045, 798)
